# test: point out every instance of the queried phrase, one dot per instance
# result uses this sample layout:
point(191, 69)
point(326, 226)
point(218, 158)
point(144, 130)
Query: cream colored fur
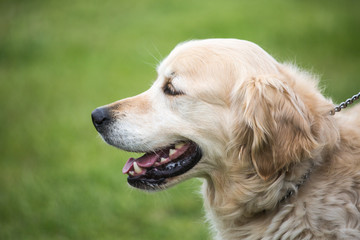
point(262, 125)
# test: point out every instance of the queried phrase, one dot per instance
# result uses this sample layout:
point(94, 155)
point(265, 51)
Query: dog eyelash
point(170, 90)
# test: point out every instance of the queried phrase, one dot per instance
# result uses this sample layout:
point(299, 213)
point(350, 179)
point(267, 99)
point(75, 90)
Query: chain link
point(345, 104)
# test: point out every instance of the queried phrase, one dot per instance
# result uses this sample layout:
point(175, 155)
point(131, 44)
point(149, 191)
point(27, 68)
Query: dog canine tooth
point(162, 160)
point(179, 145)
point(137, 168)
point(131, 173)
point(172, 151)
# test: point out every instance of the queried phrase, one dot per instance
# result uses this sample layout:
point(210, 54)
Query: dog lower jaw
point(155, 185)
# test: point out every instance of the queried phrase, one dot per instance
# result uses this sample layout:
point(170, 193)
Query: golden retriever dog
point(275, 164)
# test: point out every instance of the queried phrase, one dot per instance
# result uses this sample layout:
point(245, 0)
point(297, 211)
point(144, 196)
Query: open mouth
point(153, 169)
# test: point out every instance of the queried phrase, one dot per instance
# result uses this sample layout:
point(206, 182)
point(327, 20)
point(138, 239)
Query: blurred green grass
point(61, 59)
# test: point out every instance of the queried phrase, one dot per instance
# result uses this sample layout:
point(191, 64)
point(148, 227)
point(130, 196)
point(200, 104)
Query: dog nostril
point(100, 116)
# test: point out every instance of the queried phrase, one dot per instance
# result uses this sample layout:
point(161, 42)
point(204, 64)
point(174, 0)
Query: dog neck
point(291, 191)
point(226, 208)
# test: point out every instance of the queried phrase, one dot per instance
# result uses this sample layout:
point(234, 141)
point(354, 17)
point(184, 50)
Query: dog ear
point(273, 125)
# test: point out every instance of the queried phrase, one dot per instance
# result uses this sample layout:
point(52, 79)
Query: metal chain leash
point(345, 104)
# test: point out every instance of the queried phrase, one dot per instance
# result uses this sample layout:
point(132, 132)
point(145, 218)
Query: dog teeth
point(171, 152)
point(137, 168)
point(162, 160)
point(179, 145)
point(131, 173)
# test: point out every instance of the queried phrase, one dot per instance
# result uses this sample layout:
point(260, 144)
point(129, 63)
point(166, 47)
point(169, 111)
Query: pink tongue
point(145, 161)
point(128, 165)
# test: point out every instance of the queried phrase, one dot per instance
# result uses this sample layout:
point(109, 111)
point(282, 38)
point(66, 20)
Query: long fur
point(262, 127)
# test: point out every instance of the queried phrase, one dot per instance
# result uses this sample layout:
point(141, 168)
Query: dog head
point(212, 99)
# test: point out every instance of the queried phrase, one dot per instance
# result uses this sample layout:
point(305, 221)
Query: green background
point(61, 59)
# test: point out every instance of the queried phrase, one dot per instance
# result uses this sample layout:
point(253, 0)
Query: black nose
point(100, 117)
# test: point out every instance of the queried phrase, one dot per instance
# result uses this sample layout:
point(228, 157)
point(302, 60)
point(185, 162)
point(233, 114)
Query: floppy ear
point(273, 125)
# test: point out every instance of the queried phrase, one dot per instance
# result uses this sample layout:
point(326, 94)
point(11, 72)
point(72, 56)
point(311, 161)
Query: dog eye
point(170, 90)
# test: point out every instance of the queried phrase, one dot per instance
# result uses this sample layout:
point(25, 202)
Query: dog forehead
point(183, 61)
point(192, 59)
point(210, 54)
